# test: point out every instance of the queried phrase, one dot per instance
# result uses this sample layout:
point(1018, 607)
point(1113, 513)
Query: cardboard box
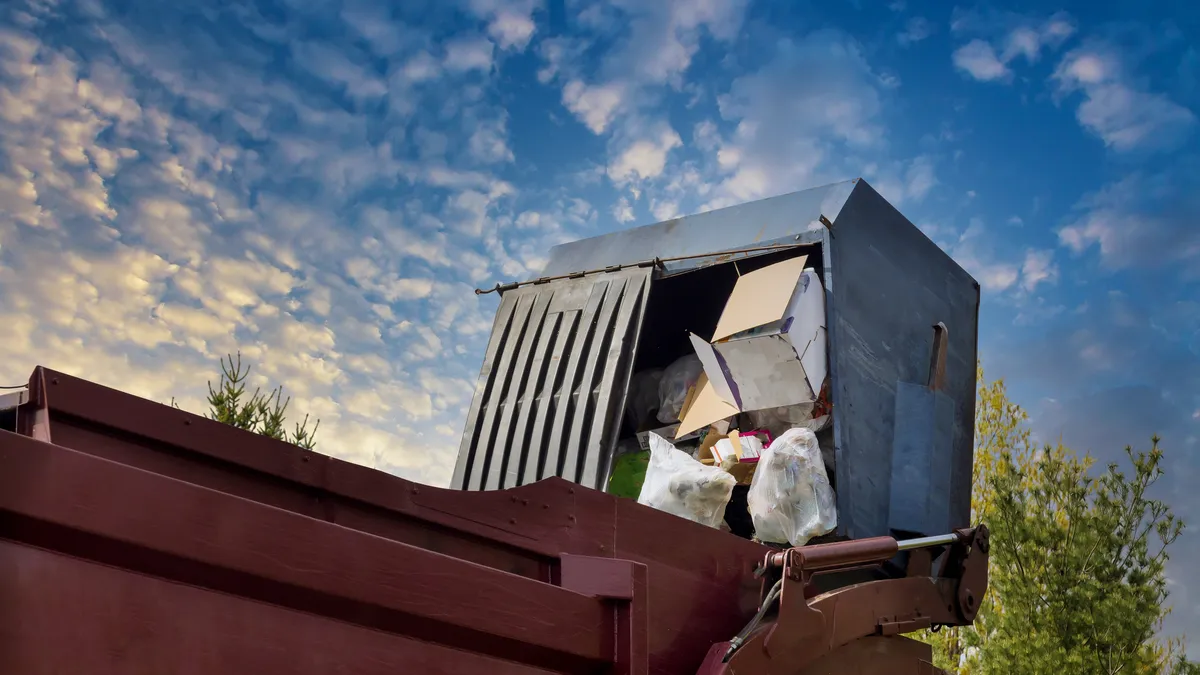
point(768, 350)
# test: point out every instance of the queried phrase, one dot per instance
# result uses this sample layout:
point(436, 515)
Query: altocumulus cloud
point(182, 181)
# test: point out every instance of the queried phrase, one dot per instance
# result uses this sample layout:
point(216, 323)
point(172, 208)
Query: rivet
point(512, 521)
point(54, 381)
point(414, 491)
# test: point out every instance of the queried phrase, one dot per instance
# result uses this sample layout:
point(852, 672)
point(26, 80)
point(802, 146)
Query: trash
point(790, 499)
point(779, 420)
point(768, 350)
point(678, 484)
point(752, 447)
point(643, 437)
point(704, 404)
point(629, 474)
point(676, 383)
point(642, 402)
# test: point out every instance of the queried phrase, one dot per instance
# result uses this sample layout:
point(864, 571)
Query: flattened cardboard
point(760, 297)
point(776, 355)
point(706, 409)
point(761, 372)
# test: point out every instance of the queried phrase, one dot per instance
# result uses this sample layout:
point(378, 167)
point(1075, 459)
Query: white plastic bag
point(790, 498)
point(674, 385)
point(681, 485)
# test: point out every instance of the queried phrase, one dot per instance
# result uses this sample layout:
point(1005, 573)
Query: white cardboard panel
point(765, 372)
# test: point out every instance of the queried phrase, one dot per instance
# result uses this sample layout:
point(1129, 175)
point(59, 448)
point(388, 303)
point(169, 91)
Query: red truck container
point(139, 539)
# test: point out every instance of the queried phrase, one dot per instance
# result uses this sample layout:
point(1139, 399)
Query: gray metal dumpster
point(552, 389)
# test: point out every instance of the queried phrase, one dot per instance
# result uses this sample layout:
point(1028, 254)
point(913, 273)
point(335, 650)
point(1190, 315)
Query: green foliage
point(261, 413)
point(1077, 581)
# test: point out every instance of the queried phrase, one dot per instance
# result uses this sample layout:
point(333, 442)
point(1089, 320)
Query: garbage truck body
point(137, 538)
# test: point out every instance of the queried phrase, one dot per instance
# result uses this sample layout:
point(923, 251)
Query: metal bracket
point(807, 627)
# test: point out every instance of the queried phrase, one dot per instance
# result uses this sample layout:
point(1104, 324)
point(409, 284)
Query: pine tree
point(262, 413)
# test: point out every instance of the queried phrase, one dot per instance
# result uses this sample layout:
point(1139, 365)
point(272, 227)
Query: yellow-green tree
point(1077, 580)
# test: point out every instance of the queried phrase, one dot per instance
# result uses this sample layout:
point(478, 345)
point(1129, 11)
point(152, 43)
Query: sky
point(321, 184)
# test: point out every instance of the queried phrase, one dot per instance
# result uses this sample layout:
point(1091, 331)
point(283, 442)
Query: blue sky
point(321, 184)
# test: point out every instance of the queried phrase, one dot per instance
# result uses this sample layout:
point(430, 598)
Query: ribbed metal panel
point(552, 387)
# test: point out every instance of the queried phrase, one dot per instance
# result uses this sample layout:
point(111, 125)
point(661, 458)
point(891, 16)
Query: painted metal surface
point(152, 540)
point(552, 386)
point(892, 285)
point(760, 222)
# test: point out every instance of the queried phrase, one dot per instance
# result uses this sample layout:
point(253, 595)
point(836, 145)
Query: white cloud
point(644, 157)
point(334, 66)
point(489, 142)
point(510, 22)
point(917, 29)
point(815, 97)
point(1123, 115)
point(1038, 268)
point(595, 106)
point(1143, 220)
point(990, 62)
point(973, 251)
point(465, 54)
point(978, 59)
point(623, 210)
point(656, 47)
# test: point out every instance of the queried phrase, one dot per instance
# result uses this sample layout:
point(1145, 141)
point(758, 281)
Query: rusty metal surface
point(840, 627)
point(363, 546)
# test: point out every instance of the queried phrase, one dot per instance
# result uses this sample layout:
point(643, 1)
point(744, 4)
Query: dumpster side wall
point(890, 284)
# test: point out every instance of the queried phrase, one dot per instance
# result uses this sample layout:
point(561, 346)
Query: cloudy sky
point(322, 183)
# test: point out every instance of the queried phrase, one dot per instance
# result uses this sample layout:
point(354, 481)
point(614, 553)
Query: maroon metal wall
point(137, 538)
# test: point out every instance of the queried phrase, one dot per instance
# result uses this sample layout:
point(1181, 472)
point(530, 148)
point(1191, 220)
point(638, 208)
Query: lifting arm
point(856, 628)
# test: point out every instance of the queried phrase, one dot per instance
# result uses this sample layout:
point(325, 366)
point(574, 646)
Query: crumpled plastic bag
point(674, 385)
point(681, 485)
point(643, 398)
point(790, 498)
point(779, 420)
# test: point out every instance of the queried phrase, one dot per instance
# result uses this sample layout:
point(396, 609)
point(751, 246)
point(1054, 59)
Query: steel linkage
point(857, 628)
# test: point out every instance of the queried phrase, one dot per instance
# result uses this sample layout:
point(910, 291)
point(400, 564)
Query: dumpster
point(890, 363)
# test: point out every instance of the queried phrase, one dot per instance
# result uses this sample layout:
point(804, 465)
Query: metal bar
point(548, 412)
point(497, 422)
point(567, 400)
point(596, 471)
point(62, 500)
point(496, 387)
point(653, 262)
point(926, 542)
point(533, 411)
point(521, 398)
point(584, 445)
point(470, 441)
